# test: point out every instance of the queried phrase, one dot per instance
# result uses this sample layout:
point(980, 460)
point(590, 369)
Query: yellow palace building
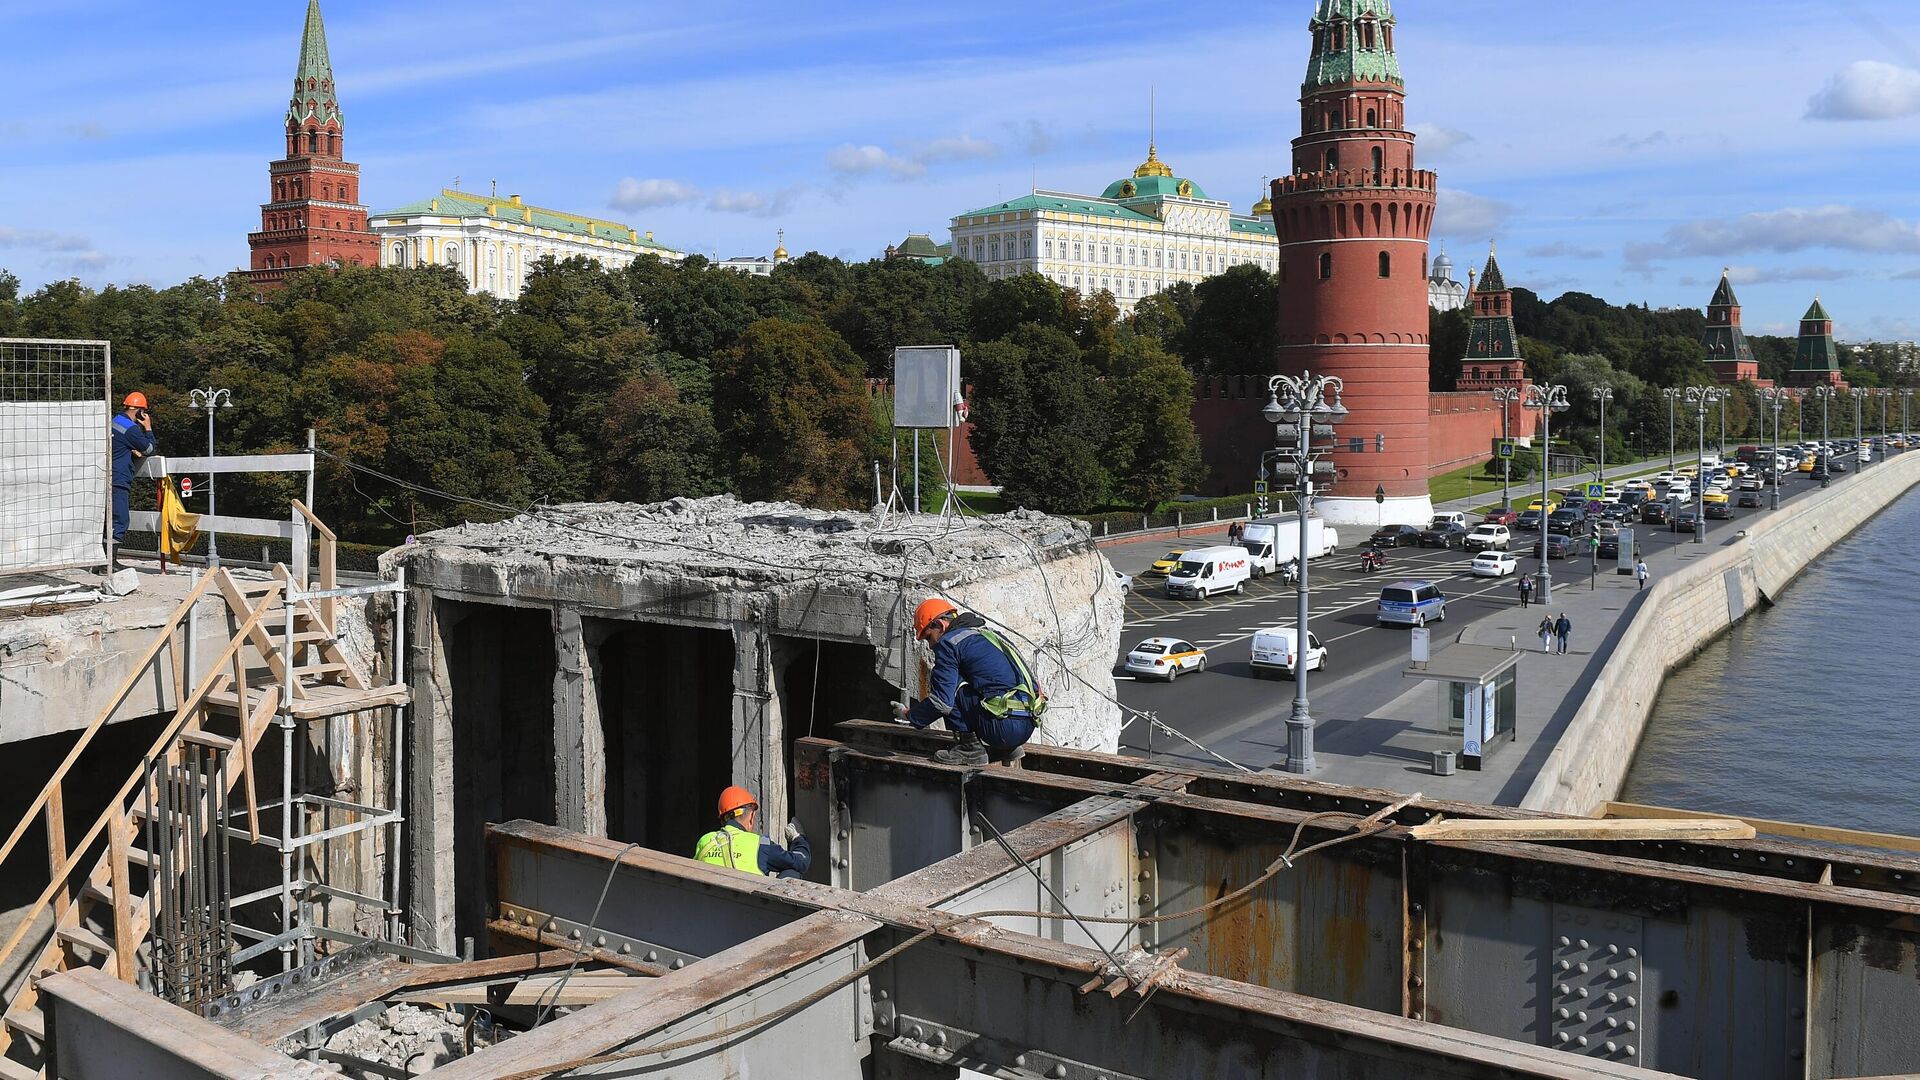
point(495, 241)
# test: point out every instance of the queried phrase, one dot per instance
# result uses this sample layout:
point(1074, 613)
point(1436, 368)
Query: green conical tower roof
point(313, 99)
point(1816, 313)
point(1492, 280)
point(1723, 296)
point(1351, 58)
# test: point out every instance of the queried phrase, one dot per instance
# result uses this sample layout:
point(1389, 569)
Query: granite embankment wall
point(1685, 610)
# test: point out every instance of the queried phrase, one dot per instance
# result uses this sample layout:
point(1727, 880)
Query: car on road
point(1558, 546)
point(1567, 523)
point(1717, 504)
point(1123, 582)
point(1488, 536)
point(1529, 521)
point(1273, 651)
point(1544, 505)
point(1164, 565)
point(1165, 658)
point(1750, 500)
point(1752, 482)
point(1494, 564)
point(1621, 512)
point(1685, 521)
point(1609, 547)
point(1654, 513)
point(1806, 465)
point(1447, 534)
point(1441, 517)
point(1393, 536)
point(1411, 603)
point(1606, 526)
point(1500, 516)
point(1835, 466)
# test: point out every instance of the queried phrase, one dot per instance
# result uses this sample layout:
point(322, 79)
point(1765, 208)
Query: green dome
point(1146, 187)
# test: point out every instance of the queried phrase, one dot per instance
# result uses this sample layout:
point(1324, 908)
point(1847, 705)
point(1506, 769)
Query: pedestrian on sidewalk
point(1640, 572)
point(1546, 633)
point(1525, 585)
point(1563, 629)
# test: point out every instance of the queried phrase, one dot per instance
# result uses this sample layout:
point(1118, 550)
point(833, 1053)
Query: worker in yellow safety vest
point(738, 845)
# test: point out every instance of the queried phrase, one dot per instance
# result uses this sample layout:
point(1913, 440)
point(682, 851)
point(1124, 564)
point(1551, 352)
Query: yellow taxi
point(1163, 567)
point(1735, 469)
point(1689, 470)
point(1544, 506)
point(1806, 464)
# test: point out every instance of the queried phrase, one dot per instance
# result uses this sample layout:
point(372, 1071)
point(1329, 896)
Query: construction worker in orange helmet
point(980, 685)
point(738, 846)
point(132, 438)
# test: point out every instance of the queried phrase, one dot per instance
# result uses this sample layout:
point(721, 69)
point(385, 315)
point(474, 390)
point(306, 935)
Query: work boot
point(968, 751)
point(1009, 758)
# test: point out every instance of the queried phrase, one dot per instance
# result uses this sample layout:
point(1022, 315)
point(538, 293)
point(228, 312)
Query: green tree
point(657, 444)
point(1041, 419)
point(1235, 316)
point(1447, 333)
point(791, 402)
point(1012, 302)
point(1153, 450)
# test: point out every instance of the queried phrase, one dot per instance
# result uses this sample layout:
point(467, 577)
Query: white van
point(1273, 651)
point(1204, 571)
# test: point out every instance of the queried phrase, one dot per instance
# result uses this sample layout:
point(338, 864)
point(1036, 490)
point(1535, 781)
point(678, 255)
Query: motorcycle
point(1372, 559)
point(1290, 574)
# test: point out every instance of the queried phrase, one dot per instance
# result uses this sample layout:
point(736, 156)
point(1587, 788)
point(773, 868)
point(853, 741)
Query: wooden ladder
point(99, 917)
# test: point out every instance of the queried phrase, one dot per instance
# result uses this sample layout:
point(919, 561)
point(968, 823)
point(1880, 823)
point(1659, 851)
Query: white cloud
point(955, 148)
point(857, 160)
point(851, 160)
point(1459, 213)
point(1436, 141)
point(1842, 228)
point(752, 202)
point(1560, 249)
point(1763, 275)
point(1867, 90)
point(631, 194)
point(42, 240)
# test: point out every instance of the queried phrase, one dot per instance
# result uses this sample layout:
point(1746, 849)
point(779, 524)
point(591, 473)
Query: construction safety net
point(55, 454)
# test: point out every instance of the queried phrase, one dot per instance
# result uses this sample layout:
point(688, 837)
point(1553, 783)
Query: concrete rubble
point(404, 1037)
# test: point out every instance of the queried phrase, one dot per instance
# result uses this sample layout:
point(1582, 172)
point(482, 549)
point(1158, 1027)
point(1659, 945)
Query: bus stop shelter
point(1483, 695)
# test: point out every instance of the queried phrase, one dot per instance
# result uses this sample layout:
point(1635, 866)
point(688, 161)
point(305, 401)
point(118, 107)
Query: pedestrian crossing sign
point(1259, 487)
point(1596, 491)
point(1506, 448)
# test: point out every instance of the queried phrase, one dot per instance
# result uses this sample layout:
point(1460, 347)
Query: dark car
point(1558, 546)
point(1719, 508)
point(1529, 520)
point(1609, 547)
point(1686, 520)
point(1620, 511)
point(1501, 516)
point(1632, 497)
point(1750, 500)
point(1393, 536)
point(1450, 534)
point(1834, 466)
point(1568, 523)
point(1654, 513)
point(1820, 473)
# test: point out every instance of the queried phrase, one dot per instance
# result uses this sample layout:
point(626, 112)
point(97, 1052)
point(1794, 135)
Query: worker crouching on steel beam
point(738, 845)
point(980, 685)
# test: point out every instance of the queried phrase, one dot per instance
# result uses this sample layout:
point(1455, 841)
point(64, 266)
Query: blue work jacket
point(129, 438)
point(967, 669)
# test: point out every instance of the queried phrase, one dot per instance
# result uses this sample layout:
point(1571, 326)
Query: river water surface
point(1809, 710)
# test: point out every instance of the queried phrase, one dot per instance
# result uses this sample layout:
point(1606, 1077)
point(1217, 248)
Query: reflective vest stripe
point(735, 849)
point(1029, 698)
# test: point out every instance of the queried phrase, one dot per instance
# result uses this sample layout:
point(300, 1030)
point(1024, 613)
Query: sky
point(1630, 149)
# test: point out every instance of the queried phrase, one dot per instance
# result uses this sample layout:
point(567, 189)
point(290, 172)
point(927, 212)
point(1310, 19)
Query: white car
point(1123, 582)
point(1664, 477)
point(1495, 564)
point(1273, 651)
point(1489, 537)
point(1165, 658)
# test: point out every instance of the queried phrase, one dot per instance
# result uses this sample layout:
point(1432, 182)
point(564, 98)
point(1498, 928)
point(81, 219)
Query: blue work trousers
point(1009, 732)
point(119, 514)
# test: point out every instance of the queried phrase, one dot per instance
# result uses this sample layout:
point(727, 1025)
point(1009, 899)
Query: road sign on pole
point(1506, 448)
point(1596, 491)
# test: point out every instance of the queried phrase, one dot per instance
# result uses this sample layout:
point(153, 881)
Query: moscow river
point(1810, 710)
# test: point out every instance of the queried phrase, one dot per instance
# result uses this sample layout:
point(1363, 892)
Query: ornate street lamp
point(1672, 394)
point(1776, 398)
point(211, 398)
point(1506, 396)
point(1700, 399)
point(1299, 409)
point(1603, 394)
point(1549, 399)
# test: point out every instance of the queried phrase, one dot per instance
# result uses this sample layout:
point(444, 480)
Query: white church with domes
point(1144, 233)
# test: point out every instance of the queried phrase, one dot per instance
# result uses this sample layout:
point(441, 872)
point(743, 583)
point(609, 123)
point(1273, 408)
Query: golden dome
point(1153, 166)
point(1263, 208)
point(780, 248)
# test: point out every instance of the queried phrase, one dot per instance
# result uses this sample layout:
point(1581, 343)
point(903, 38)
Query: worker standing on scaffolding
point(979, 685)
point(738, 845)
point(132, 438)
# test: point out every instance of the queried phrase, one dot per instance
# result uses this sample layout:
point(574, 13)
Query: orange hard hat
point(136, 399)
point(933, 607)
point(736, 798)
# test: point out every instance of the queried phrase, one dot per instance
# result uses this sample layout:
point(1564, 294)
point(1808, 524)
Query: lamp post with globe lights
point(1549, 399)
point(1700, 399)
point(1299, 409)
point(1506, 396)
point(1776, 398)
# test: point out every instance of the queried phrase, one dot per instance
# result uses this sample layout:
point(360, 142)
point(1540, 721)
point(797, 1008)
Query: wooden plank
point(120, 898)
point(1705, 828)
point(263, 641)
point(134, 676)
point(56, 814)
point(1768, 826)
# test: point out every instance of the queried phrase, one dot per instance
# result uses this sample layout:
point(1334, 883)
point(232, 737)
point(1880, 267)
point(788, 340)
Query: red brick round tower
point(1353, 220)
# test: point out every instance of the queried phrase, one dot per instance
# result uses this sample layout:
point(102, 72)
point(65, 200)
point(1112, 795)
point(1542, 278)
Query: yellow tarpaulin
point(178, 529)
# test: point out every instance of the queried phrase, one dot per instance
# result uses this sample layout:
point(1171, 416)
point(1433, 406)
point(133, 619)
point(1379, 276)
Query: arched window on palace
point(1326, 265)
point(1379, 163)
point(1386, 264)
